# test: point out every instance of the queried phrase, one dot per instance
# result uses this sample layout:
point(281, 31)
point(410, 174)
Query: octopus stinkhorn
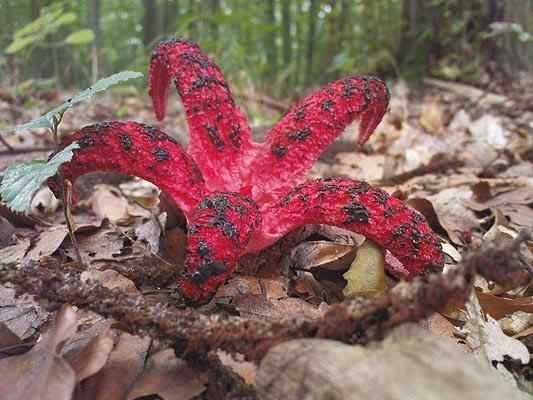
point(238, 196)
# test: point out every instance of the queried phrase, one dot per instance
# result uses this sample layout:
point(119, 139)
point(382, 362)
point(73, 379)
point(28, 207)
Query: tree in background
point(281, 45)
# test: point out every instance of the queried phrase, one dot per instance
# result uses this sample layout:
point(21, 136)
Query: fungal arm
point(297, 140)
point(220, 137)
point(138, 150)
point(358, 207)
point(219, 231)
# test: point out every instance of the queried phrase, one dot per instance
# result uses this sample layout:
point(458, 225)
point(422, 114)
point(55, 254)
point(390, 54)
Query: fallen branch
point(193, 334)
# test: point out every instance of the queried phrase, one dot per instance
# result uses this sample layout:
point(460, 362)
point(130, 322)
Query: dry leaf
point(110, 279)
point(498, 307)
point(14, 253)
point(169, 377)
point(41, 373)
point(366, 275)
point(92, 357)
point(431, 117)
point(124, 365)
point(48, 243)
point(322, 254)
point(485, 337)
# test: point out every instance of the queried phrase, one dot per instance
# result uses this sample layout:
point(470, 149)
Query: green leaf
point(21, 181)
point(83, 36)
point(47, 120)
point(65, 19)
point(19, 44)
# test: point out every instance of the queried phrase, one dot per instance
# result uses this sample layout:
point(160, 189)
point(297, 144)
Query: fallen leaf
point(92, 357)
point(245, 369)
point(21, 314)
point(41, 373)
point(14, 253)
point(124, 365)
point(366, 275)
point(110, 279)
point(498, 307)
point(485, 337)
point(168, 377)
point(108, 202)
point(322, 254)
point(48, 242)
point(431, 117)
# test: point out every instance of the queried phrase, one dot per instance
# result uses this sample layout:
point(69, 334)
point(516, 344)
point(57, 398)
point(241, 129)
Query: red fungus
point(239, 196)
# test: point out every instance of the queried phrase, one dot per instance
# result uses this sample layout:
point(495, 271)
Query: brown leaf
point(48, 243)
point(169, 377)
point(110, 279)
point(245, 369)
point(14, 253)
point(259, 307)
point(108, 202)
point(92, 357)
point(124, 365)
point(41, 373)
point(498, 307)
point(322, 254)
point(22, 315)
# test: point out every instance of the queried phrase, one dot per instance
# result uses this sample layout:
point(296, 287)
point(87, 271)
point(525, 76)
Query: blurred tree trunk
point(270, 39)
point(213, 23)
point(193, 25)
point(311, 38)
point(151, 22)
point(286, 29)
point(170, 17)
point(35, 9)
point(95, 8)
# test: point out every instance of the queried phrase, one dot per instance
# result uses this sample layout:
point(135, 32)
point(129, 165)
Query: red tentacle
point(219, 132)
point(219, 231)
point(138, 150)
point(358, 207)
point(298, 139)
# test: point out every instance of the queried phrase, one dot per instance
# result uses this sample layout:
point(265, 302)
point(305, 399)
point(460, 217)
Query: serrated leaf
point(47, 120)
point(21, 181)
point(83, 36)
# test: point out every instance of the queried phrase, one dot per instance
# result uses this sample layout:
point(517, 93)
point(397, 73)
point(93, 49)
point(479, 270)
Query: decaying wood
point(194, 334)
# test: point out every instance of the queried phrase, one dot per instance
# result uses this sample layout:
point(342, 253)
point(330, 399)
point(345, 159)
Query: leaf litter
point(486, 200)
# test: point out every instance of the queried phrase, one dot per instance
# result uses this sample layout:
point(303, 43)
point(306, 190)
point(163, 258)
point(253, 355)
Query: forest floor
point(460, 156)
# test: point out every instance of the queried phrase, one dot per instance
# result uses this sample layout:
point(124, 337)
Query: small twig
point(267, 101)
point(431, 168)
point(6, 144)
point(17, 150)
point(67, 207)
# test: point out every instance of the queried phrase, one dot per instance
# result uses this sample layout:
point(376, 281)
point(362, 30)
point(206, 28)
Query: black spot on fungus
point(300, 135)
point(381, 196)
point(299, 114)
point(203, 62)
point(356, 212)
point(389, 212)
point(86, 141)
point(235, 136)
point(203, 248)
point(327, 105)
point(417, 217)
point(161, 154)
point(125, 140)
point(400, 230)
point(214, 136)
point(359, 188)
point(416, 238)
point(279, 151)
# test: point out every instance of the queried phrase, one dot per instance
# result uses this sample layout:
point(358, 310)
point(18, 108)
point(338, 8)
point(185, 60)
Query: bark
point(286, 30)
point(150, 22)
point(171, 15)
point(95, 8)
point(311, 38)
point(270, 39)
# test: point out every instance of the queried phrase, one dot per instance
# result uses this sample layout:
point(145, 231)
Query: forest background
point(281, 47)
